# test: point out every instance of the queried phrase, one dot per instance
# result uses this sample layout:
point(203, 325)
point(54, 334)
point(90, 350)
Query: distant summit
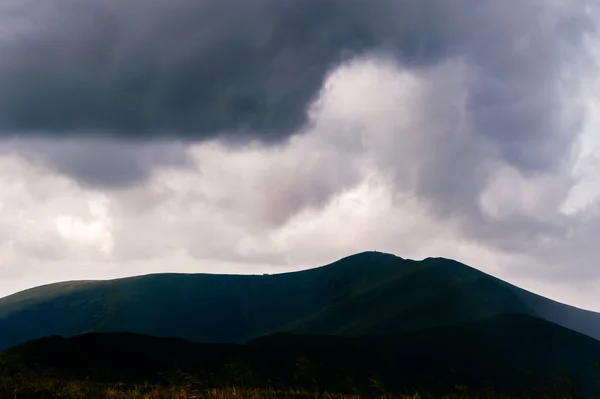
point(363, 294)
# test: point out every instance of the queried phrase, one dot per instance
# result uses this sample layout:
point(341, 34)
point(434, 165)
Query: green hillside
point(365, 293)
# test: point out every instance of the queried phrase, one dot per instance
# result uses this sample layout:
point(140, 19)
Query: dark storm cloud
point(186, 68)
point(248, 69)
point(100, 163)
point(526, 62)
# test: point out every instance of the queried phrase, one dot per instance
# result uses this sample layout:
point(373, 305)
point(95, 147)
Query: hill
point(367, 293)
point(509, 354)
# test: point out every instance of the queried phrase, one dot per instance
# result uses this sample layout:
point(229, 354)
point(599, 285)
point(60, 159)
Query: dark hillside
point(511, 354)
point(367, 293)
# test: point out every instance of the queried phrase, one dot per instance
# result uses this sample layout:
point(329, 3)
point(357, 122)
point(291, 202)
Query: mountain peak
point(369, 292)
point(369, 255)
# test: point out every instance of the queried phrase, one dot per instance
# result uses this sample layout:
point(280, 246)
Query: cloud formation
point(198, 69)
point(189, 69)
point(423, 128)
point(101, 164)
point(249, 70)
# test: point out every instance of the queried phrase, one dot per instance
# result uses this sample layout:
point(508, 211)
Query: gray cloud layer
point(469, 112)
point(196, 69)
point(243, 70)
point(191, 69)
point(101, 164)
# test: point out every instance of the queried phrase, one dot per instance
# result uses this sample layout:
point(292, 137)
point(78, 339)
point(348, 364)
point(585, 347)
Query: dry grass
point(54, 389)
point(27, 386)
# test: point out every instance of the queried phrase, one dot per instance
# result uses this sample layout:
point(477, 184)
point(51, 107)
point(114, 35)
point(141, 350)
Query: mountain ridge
point(365, 293)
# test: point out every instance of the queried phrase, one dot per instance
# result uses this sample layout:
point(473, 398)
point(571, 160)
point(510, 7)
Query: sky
point(264, 136)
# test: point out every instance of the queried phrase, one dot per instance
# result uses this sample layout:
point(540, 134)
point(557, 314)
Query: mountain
point(516, 354)
point(367, 293)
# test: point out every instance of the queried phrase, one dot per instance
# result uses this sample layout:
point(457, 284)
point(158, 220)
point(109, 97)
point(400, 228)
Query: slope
point(511, 354)
point(367, 293)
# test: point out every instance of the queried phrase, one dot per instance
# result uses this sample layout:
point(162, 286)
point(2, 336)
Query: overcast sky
point(252, 136)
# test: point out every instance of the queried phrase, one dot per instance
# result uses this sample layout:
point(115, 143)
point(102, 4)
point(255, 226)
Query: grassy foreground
point(50, 389)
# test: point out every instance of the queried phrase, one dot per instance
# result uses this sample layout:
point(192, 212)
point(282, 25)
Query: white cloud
point(394, 159)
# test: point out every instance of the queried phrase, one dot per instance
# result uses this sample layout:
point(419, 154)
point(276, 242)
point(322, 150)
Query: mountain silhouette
point(364, 294)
